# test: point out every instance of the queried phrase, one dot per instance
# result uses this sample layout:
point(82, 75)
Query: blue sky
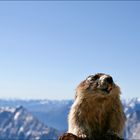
point(47, 48)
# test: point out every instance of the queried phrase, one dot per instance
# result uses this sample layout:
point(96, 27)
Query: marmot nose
point(109, 79)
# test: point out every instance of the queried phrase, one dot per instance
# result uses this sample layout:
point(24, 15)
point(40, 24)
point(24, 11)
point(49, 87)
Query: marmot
point(97, 109)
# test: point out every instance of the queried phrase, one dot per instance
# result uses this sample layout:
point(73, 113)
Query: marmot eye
point(93, 77)
point(90, 78)
point(96, 77)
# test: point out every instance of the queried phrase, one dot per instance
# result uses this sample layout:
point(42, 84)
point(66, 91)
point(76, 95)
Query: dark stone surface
point(69, 136)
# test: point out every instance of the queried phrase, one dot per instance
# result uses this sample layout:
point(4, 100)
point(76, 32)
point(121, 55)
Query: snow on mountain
point(132, 111)
point(18, 123)
point(51, 112)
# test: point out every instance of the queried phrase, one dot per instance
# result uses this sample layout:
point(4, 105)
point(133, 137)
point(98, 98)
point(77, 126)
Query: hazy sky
point(47, 48)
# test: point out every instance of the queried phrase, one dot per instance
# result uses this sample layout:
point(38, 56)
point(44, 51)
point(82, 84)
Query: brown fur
point(94, 113)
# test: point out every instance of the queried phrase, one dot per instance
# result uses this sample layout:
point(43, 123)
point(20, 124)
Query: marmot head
point(99, 83)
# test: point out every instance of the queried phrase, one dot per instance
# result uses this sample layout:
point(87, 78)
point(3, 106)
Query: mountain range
point(19, 124)
point(46, 119)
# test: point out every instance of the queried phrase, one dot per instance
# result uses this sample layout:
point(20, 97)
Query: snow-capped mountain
point(54, 114)
point(18, 123)
point(132, 111)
